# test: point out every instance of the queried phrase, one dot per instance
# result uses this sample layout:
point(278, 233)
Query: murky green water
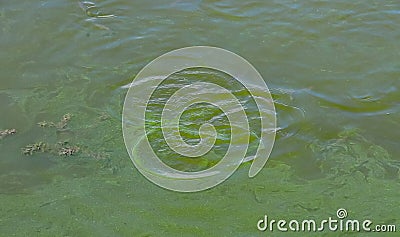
point(333, 68)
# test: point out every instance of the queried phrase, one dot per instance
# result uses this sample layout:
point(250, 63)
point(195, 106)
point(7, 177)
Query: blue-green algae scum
point(333, 68)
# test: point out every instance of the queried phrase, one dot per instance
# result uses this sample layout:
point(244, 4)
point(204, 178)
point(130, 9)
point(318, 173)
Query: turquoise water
point(332, 67)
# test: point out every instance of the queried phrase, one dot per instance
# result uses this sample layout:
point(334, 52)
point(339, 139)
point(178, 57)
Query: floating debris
point(60, 125)
point(85, 5)
point(45, 124)
point(64, 149)
point(61, 149)
point(7, 132)
point(92, 10)
point(33, 148)
point(64, 121)
point(68, 151)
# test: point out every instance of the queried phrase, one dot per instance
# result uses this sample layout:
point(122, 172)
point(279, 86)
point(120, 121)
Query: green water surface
point(333, 68)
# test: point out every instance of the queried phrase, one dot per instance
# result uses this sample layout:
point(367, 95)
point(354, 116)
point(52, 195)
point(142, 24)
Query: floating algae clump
point(33, 148)
point(65, 140)
point(7, 132)
point(351, 154)
point(60, 125)
point(60, 148)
